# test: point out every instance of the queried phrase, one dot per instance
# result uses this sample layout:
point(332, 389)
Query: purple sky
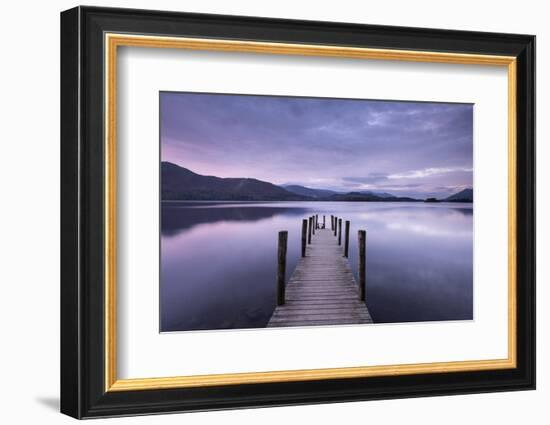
point(405, 148)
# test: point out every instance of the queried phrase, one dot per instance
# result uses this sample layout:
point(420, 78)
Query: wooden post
point(313, 224)
point(281, 267)
point(304, 236)
point(339, 231)
point(309, 231)
point(331, 222)
point(323, 221)
point(316, 221)
point(335, 225)
point(346, 240)
point(362, 263)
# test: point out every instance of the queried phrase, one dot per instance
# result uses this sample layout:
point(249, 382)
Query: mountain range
point(179, 183)
point(308, 191)
point(466, 195)
point(325, 193)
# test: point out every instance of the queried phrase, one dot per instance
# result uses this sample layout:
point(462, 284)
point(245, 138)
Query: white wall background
point(29, 224)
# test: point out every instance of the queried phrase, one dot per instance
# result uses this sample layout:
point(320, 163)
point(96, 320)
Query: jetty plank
point(322, 289)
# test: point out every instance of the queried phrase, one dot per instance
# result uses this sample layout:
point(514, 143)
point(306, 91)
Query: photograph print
point(281, 211)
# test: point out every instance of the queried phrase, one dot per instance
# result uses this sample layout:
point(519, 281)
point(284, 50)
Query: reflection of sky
point(405, 148)
point(457, 222)
point(218, 261)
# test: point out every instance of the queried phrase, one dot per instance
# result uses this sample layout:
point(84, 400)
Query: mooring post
point(313, 224)
point(335, 225)
point(309, 231)
point(281, 267)
point(316, 221)
point(304, 236)
point(362, 263)
point(323, 221)
point(346, 240)
point(339, 231)
point(331, 222)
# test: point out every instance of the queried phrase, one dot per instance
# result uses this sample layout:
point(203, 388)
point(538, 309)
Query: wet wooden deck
point(322, 290)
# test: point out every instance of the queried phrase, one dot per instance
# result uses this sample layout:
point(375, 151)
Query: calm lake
point(219, 260)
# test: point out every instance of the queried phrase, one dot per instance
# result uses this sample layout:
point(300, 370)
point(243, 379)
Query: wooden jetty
point(322, 290)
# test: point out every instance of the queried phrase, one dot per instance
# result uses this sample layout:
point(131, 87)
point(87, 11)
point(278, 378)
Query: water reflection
point(177, 216)
point(218, 260)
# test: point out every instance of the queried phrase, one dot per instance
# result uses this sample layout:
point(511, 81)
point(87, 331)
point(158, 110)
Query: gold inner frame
point(113, 41)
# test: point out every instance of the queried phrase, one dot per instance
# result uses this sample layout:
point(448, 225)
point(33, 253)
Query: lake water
point(219, 260)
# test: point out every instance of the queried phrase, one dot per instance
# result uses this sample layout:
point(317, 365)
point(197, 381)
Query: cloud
point(368, 179)
point(428, 172)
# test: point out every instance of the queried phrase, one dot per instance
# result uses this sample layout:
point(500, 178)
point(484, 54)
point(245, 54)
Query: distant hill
point(379, 194)
point(368, 197)
point(325, 194)
point(308, 191)
point(466, 195)
point(179, 183)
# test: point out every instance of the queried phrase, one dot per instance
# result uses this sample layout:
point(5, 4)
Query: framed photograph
point(261, 212)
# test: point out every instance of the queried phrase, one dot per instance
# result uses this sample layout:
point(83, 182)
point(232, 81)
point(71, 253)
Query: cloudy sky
point(404, 148)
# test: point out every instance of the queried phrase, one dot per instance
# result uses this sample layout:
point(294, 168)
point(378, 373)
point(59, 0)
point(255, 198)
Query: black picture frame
point(83, 392)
